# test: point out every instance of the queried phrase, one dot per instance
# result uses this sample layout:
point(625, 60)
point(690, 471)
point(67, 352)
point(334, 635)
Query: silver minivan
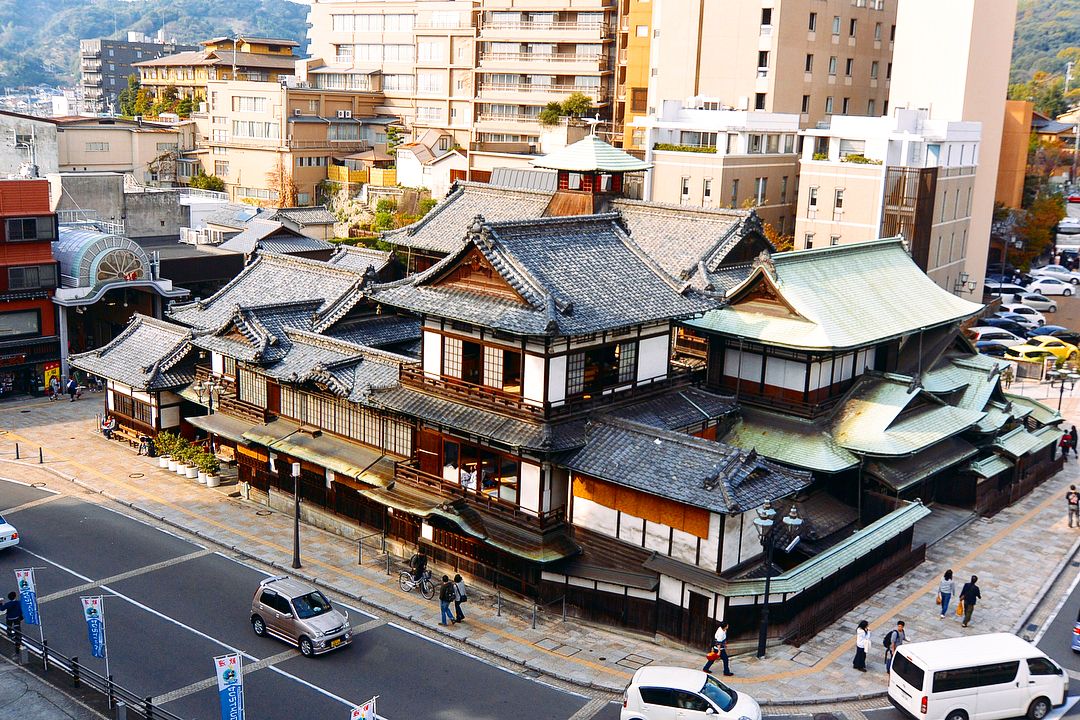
point(300, 615)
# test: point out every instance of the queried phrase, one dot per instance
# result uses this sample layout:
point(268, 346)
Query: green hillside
point(1044, 27)
point(39, 39)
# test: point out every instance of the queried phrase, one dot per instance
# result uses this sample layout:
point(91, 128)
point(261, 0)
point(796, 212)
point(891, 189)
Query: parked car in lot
point(1060, 272)
point(666, 693)
point(1004, 289)
point(1058, 331)
point(1069, 226)
point(1038, 302)
point(300, 615)
point(1014, 327)
point(1028, 322)
point(1040, 346)
point(1045, 285)
point(993, 348)
point(985, 333)
point(1074, 197)
point(9, 536)
point(1028, 312)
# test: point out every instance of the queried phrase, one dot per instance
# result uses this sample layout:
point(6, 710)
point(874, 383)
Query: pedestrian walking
point(1072, 500)
point(719, 651)
point(969, 595)
point(72, 388)
point(13, 614)
point(1073, 437)
point(1007, 377)
point(1064, 444)
point(947, 589)
point(54, 388)
point(862, 644)
point(446, 596)
point(894, 639)
point(459, 597)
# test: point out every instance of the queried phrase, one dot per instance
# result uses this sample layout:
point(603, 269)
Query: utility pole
point(1068, 76)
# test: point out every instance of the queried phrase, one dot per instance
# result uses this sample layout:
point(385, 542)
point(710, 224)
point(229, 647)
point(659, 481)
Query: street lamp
point(766, 528)
point(963, 284)
point(1059, 380)
point(209, 387)
point(296, 515)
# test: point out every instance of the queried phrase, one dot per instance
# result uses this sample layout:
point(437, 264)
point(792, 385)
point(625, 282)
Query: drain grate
point(634, 662)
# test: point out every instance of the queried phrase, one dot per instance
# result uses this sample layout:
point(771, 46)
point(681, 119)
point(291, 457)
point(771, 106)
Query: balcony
point(492, 122)
point(91, 66)
point(535, 94)
point(560, 31)
point(555, 63)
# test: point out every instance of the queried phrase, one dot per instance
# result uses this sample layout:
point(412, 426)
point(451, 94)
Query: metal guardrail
point(117, 695)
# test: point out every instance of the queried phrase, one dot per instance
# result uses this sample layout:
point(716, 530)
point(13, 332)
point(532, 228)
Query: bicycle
point(407, 583)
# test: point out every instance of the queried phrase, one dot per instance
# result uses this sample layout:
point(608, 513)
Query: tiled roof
point(314, 215)
point(525, 179)
point(273, 237)
point(575, 275)
point(678, 409)
point(901, 473)
point(1042, 414)
point(264, 329)
point(989, 466)
point(790, 440)
point(349, 370)
point(271, 279)
point(832, 292)
point(461, 418)
point(148, 355)
point(1018, 442)
point(443, 228)
point(359, 259)
point(234, 215)
point(377, 331)
point(589, 154)
point(690, 470)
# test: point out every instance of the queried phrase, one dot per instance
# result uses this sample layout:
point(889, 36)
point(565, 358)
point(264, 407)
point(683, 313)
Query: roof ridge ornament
point(765, 262)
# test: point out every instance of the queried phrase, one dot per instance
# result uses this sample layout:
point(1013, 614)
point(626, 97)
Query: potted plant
point(210, 468)
point(192, 468)
point(164, 443)
point(183, 457)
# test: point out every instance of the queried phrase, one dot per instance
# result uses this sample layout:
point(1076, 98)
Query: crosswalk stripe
point(122, 576)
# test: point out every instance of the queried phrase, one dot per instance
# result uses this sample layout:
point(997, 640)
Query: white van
point(980, 677)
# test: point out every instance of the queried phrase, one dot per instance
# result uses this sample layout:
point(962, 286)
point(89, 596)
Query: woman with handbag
point(946, 590)
point(459, 597)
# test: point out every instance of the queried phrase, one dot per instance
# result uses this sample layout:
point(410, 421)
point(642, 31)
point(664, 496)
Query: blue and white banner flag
point(230, 684)
point(24, 580)
point(94, 612)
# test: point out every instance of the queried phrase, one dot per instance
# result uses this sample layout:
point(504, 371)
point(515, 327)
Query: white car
point(9, 536)
point(1023, 320)
point(1059, 272)
point(666, 693)
point(987, 334)
point(1038, 302)
point(1026, 311)
point(1051, 286)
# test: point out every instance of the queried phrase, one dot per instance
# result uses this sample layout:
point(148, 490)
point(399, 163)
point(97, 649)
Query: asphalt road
point(181, 604)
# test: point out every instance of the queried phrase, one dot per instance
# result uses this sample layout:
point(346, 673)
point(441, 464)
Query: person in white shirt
point(720, 645)
point(862, 644)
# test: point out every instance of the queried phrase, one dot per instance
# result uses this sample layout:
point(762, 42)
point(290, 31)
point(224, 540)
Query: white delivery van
point(979, 677)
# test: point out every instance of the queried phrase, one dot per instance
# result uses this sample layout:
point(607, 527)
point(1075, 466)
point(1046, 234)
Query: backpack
point(887, 641)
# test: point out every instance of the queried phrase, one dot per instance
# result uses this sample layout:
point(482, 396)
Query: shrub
point(859, 160)
point(685, 148)
point(821, 156)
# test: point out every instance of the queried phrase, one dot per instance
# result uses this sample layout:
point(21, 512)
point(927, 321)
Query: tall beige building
point(957, 66)
point(816, 58)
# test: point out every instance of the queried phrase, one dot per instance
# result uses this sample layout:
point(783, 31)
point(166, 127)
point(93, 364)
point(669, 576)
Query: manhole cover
point(136, 476)
point(37, 485)
point(264, 513)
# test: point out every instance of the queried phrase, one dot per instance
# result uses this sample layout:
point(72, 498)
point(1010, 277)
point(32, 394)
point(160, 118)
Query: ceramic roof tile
point(1042, 414)
point(149, 355)
point(577, 275)
point(690, 470)
point(834, 291)
point(314, 215)
point(273, 237)
point(989, 466)
point(377, 331)
point(902, 473)
point(1017, 442)
point(359, 259)
point(678, 409)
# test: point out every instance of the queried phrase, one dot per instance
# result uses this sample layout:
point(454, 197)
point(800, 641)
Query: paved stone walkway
point(1014, 554)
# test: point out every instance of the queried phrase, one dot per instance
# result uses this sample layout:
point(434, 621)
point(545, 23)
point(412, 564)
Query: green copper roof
point(903, 472)
point(1044, 436)
point(1018, 442)
point(994, 420)
point(844, 296)
point(1042, 414)
point(792, 441)
point(818, 568)
point(989, 467)
point(591, 154)
point(880, 418)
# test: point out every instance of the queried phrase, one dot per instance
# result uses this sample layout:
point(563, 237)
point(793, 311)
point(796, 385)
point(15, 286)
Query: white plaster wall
point(631, 529)
point(652, 358)
point(557, 489)
point(710, 547)
point(740, 539)
point(144, 396)
point(432, 352)
point(533, 390)
point(557, 379)
point(217, 363)
point(643, 594)
point(595, 517)
point(671, 590)
point(168, 398)
point(170, 417)
point(683, 546)
point(656, 537)
point(529, 487)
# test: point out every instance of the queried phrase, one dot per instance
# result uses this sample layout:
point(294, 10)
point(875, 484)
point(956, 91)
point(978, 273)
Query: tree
point(1045, 90)
point(203, 181)
point(183, 108)
point(144, 102)
point(551, 114)
point(1035, 225)
point(577, 104)
point(281, 181)
point(1045, 157)
point(782, 243)
point(394, 138)
point(129, 96)
point(384, 214)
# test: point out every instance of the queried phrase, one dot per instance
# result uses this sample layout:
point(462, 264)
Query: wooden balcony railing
point(406, 471)
point(226, 402)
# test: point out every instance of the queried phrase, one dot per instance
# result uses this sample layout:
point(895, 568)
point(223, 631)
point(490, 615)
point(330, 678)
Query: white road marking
point(1060, 711)
point(123, 576)
point(591, 708)
point(31, 504)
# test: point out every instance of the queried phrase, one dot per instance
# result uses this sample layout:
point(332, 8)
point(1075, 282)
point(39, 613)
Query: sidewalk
point(1032, 535)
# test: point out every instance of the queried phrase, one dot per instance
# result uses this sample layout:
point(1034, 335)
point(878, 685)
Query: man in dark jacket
point(970, 594)
point(13, 616)
point(446, 596)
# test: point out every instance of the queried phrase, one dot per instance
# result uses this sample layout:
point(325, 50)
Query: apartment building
point(148, 151)
point(107, 64)
point(263, 138)
point(224, 58)
point(816, 58)
point(905, 175)
point(965, 78)
point(722, 158)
